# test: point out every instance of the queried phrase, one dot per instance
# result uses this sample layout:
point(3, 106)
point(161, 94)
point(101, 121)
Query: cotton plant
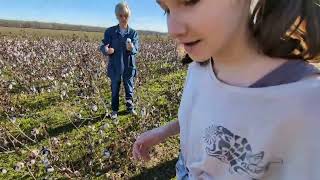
point(72, 70)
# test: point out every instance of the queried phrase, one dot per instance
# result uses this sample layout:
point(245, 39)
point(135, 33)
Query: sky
point(146, 14)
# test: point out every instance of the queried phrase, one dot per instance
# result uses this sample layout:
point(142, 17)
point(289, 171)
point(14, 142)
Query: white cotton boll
point(13, 119)
point(63, 93)
point(35, 132)
point(106, 48)
point(78, 115)
point(33, 89)
point(101, 132)
point(91, 127)
point(49, 169)
point(32, 162)
point(69, 144)
point(55, 141)
point(105, 126)
point(19, 166)
point(50, 78)
point(77, 173)
point(115, 121)
point(4, 171)
point(5, 142)
point(94, 108)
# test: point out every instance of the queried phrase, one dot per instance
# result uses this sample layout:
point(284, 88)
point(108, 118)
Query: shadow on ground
point(163, 171)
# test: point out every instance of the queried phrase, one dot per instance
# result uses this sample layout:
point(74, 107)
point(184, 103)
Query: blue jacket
point(122, 62)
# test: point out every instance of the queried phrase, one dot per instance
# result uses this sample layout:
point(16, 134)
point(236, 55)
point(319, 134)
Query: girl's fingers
point(144, 154)
point(136, 153)
point(140, 152)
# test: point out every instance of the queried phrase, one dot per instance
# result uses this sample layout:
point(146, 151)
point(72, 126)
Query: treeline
point(59, 26)
point(53, 26)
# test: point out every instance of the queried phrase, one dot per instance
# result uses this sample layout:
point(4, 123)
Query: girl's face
point(206, 28)
point(123, 18)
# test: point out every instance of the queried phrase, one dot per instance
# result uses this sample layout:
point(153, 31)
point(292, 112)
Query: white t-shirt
point(236, 133)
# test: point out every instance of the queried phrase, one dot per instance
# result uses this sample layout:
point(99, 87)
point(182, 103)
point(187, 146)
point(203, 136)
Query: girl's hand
point(109, 50)
point(130, 46)
point(144, 143)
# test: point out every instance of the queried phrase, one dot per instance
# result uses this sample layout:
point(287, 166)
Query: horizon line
point(92, 26)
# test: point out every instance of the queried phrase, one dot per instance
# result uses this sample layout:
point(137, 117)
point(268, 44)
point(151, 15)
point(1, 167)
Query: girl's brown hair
point(287, 28)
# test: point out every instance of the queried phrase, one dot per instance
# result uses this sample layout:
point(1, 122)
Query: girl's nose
point(176, 26)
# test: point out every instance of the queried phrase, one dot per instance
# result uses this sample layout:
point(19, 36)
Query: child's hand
point(130, 46)
point(109, 50)
point(144, 143)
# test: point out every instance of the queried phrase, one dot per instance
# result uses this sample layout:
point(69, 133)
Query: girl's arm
point(106, 41)
point(136, 44)
point(170, 129)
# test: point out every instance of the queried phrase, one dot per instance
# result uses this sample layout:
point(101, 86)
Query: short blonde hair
point(122, 7)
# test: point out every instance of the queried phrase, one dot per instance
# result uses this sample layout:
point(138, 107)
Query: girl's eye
point(166, 12)
point(190, 2)
point(184, 3)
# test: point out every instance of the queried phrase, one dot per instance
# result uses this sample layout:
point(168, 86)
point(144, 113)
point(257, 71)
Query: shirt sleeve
point(136, 44)
point(105, 41)
point(303, 155)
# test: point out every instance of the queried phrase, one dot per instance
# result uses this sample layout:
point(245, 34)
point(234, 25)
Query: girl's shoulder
point(112, 29)
point(291, 71)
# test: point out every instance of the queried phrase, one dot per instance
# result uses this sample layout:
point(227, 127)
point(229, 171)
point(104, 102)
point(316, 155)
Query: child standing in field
point(252, 110)
point(121, 45)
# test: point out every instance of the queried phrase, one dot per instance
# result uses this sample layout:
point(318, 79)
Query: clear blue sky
point(146, 15)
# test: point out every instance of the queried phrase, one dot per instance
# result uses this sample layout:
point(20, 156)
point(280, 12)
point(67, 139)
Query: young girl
point(121, 45)
point(252, 110)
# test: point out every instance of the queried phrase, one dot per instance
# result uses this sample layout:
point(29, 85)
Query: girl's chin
point(199, 58)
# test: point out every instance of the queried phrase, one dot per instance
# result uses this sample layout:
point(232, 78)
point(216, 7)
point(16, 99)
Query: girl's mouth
point(188, 46)
point(191, 43)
